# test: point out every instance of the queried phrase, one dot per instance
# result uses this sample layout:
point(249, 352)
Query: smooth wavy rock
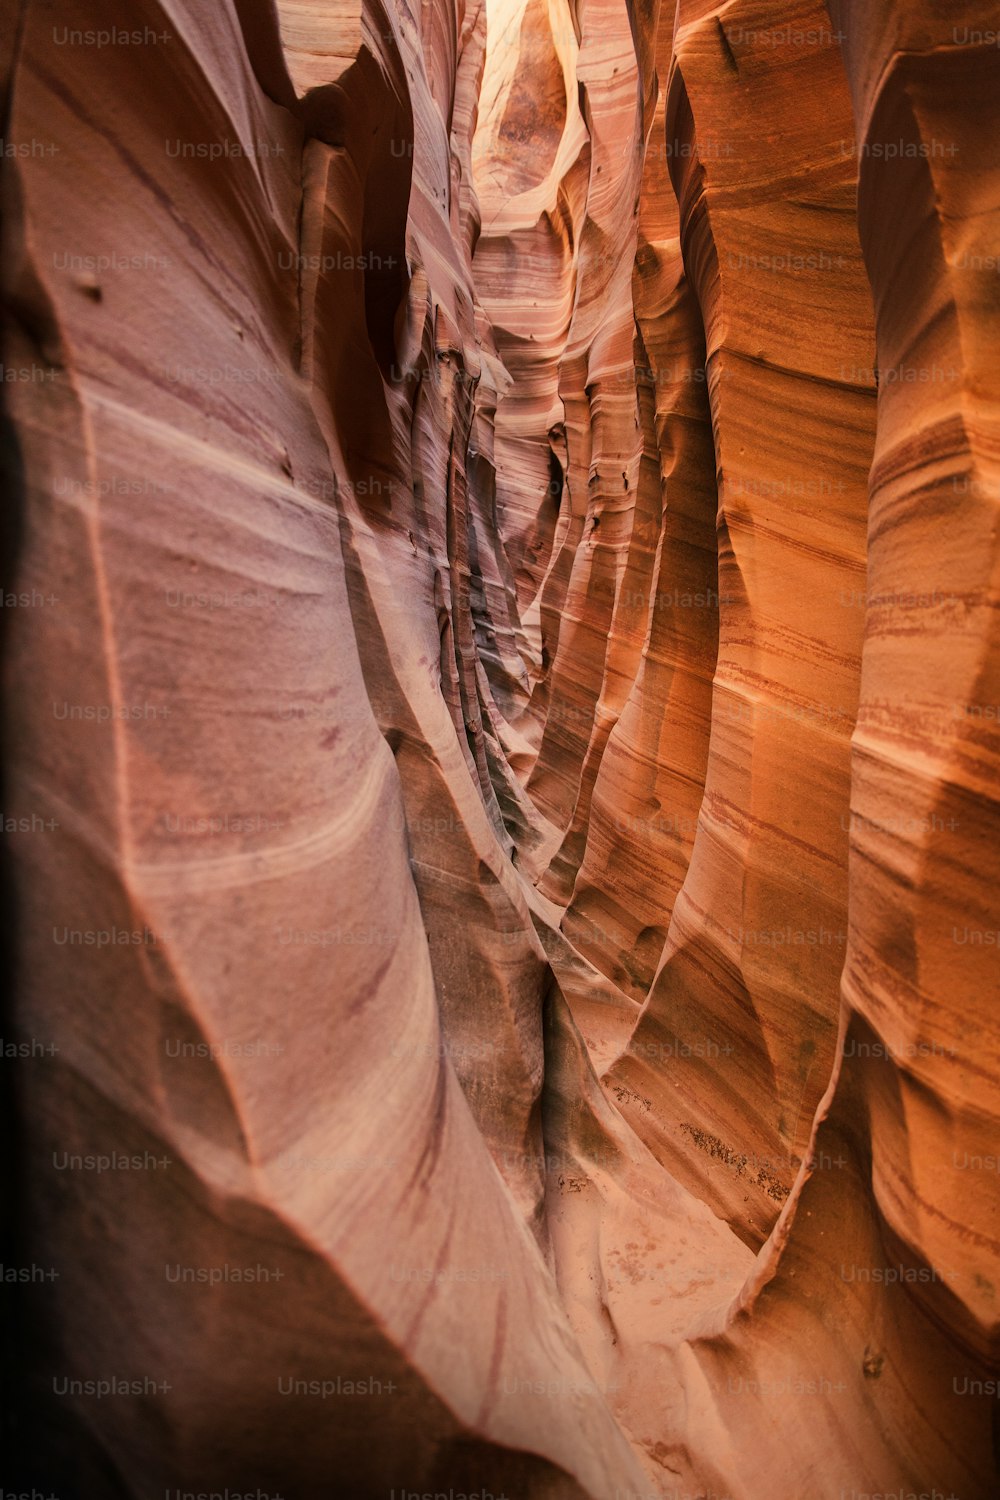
point(502, 750)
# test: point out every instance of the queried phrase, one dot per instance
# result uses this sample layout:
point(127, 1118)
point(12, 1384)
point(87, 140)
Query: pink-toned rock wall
point(502, 748)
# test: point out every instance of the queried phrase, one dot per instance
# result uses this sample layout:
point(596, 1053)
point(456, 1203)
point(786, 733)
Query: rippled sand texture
point(503, 743)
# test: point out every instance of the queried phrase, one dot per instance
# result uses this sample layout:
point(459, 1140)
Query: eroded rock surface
point(503, 747)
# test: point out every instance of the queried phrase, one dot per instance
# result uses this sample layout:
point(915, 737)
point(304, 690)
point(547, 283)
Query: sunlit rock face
point(502, 748)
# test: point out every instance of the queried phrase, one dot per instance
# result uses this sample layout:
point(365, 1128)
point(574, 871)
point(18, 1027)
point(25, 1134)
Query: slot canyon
point(502, 734)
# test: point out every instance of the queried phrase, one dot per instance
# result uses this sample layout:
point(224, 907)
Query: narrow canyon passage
point(503, 688)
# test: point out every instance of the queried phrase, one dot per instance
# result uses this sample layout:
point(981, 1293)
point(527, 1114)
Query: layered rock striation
point(502, 747)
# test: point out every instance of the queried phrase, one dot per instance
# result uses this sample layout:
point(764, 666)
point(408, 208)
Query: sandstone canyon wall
point(503, 689)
